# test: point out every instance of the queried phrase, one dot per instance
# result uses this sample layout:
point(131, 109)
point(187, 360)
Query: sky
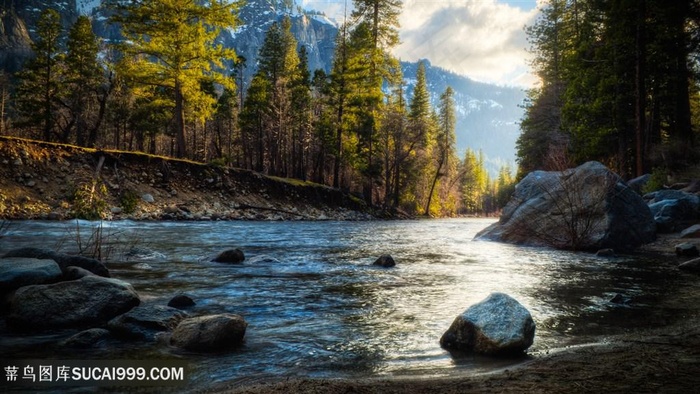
point(481, 39)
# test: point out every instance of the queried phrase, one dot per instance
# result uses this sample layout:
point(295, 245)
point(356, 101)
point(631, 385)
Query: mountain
point(487, 115)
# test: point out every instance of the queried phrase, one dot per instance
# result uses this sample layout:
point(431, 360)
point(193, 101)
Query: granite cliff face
point(14, 41)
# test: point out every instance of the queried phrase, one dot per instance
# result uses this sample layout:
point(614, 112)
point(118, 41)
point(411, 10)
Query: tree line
point(168, 87)
point(619, 85)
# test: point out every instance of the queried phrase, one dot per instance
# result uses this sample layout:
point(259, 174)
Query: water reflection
point(316, 306)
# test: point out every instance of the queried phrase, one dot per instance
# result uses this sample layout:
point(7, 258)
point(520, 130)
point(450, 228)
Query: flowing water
point(316, 307)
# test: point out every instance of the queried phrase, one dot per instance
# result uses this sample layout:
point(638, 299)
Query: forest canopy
point(169, 87)
point(619, 85)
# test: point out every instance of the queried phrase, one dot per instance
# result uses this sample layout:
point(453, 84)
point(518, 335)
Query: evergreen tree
point(172, 44)
point(445, 137)
point(40, 81)
point(87, 89)
point(376, 34)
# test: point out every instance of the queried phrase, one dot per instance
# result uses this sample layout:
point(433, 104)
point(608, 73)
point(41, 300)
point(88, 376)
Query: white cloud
point(482, 39)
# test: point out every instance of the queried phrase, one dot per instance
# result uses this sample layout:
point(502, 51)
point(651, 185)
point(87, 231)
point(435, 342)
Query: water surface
point(316, 307)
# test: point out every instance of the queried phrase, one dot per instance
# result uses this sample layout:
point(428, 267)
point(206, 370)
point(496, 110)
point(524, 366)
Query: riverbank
point(40, 180)
point(664, 359)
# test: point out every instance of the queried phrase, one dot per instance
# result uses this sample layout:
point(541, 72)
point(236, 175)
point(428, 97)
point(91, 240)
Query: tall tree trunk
point(640, 88)
point(180, 121)
point(432, 187)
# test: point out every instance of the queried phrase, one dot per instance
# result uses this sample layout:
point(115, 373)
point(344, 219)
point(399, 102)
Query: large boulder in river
point(587, 208)
point(212, 333)
point(495, 326)
point(87, 302)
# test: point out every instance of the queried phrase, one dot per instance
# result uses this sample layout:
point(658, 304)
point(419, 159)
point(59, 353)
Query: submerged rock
point(144, 322)
point(385, 261)
point(497, 325)
point(212, 333)
point(588, 208)
point(89, 301)
point(233, 256)
point(687, 249)
point(86, 339)
point(181, 301)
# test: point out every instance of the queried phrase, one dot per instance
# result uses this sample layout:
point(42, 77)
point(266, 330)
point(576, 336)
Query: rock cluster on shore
point(591, 208)
point(41, 291)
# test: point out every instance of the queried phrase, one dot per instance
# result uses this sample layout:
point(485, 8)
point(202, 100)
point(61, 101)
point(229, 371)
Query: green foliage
point(89, 200)
point(172, 45)
point(657, 181)
point(615, 84)
point(128, 201)
point(39, 82)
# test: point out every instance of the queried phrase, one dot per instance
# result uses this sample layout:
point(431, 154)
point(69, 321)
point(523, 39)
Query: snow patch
point(85, 7)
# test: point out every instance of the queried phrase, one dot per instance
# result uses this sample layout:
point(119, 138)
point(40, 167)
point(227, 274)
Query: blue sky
point(482, 39)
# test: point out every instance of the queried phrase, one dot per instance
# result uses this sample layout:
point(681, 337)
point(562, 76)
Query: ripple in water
point(316, 307)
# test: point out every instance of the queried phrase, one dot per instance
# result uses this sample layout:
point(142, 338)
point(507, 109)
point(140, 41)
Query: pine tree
point(40, 81)
point(172, 44)
point(301, 117)
point(87, 89)
point(377, 28)
point(445, 139)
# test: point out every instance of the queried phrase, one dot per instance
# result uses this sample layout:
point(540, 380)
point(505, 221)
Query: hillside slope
point(41, 180)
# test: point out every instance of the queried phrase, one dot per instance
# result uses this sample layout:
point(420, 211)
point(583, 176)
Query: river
point(316, 307)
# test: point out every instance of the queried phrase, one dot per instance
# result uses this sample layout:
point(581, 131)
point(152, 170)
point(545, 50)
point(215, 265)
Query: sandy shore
point(660, 360)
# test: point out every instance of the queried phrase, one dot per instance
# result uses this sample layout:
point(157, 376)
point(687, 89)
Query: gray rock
point(673, 215)
point(233, 256)
point(75, 273)
point(16, 272)
point(86, 339)
point(145, 321)
point(691, 232)
point(687, 249)
point(385, 261)
point(587, 208)
point(212, 333)
point(148, 198)
point(638, 183)
point(90, 301)
point(691, 266)
point(497, 325)
point(64, 260)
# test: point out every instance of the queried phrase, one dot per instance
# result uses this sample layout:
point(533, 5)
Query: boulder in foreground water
point(385, 261)
point(211, 333)
point(87, 302)
point(233, 256)
point(495, 326)
point(585, 208)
